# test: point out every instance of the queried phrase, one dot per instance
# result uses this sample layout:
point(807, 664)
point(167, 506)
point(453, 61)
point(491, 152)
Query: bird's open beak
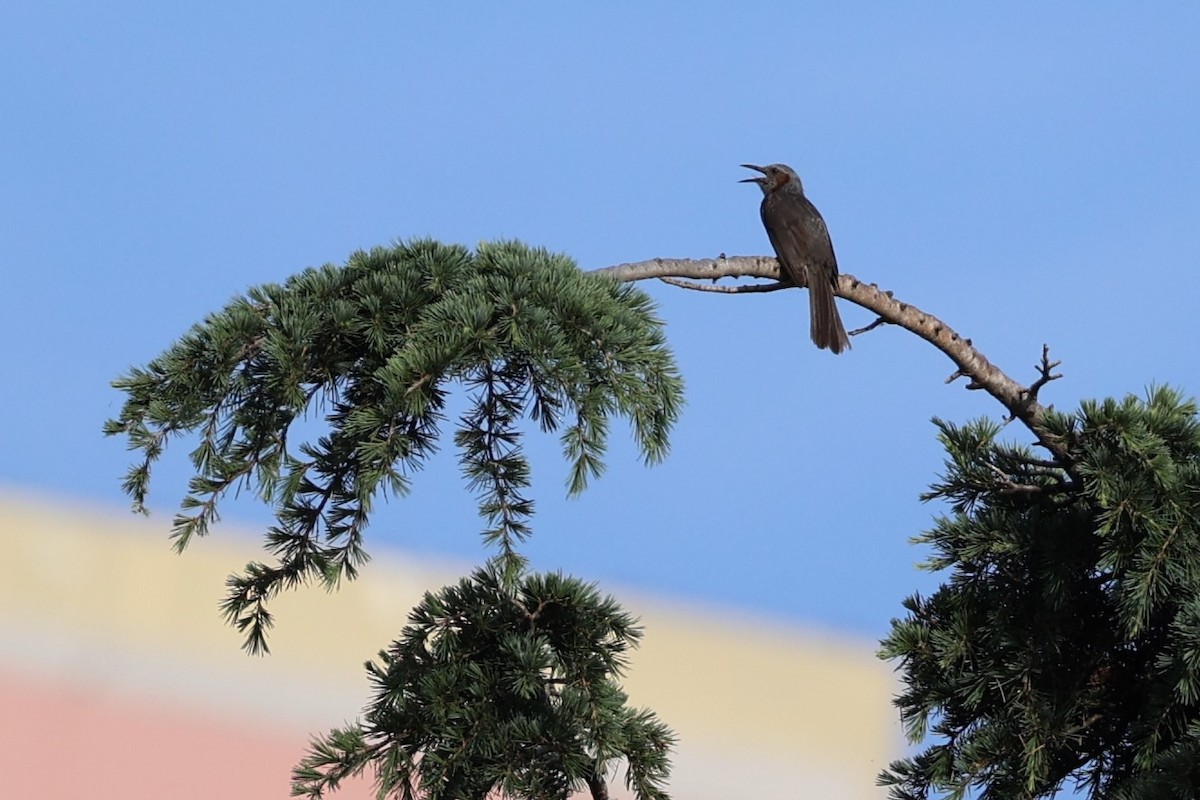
point(754, 180)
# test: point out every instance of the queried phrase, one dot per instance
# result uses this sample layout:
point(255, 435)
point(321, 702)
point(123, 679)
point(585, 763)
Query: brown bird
point(801, 241)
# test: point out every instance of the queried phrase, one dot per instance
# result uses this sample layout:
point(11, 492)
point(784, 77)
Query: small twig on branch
point(878, 321)
point(1021, 401)
point(1009, 486)
point(1053, 471)
point(1043, 464)
point(711, 287)
point(1044, 370)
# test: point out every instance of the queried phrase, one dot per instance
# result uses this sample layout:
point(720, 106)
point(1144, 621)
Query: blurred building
point(118, 678)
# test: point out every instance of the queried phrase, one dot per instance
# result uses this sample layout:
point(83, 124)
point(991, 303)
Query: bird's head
point(774, 176)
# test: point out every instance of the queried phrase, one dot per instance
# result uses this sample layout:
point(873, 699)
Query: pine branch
point(493, 462)
point(1020, 400)
point(373, 348)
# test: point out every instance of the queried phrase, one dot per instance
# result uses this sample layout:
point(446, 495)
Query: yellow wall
point(96, 597)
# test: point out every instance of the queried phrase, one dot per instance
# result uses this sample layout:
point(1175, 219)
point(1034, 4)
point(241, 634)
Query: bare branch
point(1021, 401)
point(700, 269)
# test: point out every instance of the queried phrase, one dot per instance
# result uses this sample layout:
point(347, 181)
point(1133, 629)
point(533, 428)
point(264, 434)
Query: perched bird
point(801, 242)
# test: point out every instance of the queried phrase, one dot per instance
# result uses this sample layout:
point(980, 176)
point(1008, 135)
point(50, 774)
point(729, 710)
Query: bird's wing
point(799, 236)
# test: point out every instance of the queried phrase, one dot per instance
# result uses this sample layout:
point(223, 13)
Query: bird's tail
point(826, 324)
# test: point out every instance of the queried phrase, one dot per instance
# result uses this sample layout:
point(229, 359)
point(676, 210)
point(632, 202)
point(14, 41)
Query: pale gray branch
point(698, 268)
point(1021, 401)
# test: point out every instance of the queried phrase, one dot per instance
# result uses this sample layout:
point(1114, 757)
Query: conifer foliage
point(1064, 648)
point(375, 346)
point(497, 687)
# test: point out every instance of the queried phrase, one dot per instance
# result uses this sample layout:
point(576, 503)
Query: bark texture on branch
point(597, 786)
point(1020, 400)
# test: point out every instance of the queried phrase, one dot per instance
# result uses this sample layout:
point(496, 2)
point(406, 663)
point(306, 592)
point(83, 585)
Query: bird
point(801, 240)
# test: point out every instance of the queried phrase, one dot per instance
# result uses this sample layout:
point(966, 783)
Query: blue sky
point(1028, 172)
